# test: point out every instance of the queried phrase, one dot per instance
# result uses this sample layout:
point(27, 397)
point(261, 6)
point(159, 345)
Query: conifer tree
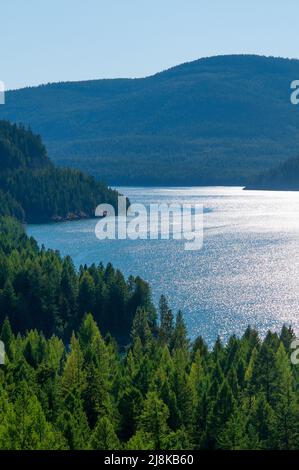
point(179, 340)
point(72, 422)
point(103, 436)
point(141, 328)
point(262, 423)
point(285, 403)
point(153, 419)
point(96, 364)
point(166, 321)
point(233, 435)
point(74, 376)
point(7, 337)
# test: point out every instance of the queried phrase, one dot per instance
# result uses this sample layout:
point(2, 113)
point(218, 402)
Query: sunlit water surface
point(246, 273)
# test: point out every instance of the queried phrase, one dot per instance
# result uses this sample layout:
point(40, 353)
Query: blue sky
point(44, 41)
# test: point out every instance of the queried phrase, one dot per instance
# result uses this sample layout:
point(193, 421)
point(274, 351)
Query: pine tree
point(166, 321)
point(178, 440)
point(262, 378)
point(287, 335)
point(262, 423)
point(68, 299)
point(96, 364)
point(72, 422)
point(179, 338)
point(86, 298)
point(141, 441)
point(130, 407)
point(103, 436)
point(197, 378)
point(220, 412)
point(74, 376)
point(183, 391)
point(141, 328)
point(285, 403)
point(7, 337)
point(153, 419)
point(233, 436)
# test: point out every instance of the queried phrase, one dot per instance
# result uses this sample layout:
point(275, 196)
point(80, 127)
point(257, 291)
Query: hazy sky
point(53, 40)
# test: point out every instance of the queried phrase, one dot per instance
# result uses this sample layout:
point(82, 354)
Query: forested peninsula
point(33, 190)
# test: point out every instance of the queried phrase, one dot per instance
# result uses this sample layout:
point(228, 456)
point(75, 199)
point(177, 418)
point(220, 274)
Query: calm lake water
point(246, 273)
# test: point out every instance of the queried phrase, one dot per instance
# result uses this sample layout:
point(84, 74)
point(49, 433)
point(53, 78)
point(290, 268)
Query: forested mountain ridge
point(33, 190)
point(219, 120)
point(285, 177)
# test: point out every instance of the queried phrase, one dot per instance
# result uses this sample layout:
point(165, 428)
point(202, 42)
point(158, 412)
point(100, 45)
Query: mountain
point(284, 177)
point(32, 189)
point(218, 120)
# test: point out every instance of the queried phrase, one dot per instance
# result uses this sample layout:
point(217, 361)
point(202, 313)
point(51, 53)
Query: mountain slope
point(34, 190)
point(219, 120)
point(284, 177)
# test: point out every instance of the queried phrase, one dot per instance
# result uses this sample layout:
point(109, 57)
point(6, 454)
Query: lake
point(246, 273)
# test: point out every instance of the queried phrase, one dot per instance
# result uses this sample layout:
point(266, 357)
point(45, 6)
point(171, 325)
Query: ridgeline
point(215, 121)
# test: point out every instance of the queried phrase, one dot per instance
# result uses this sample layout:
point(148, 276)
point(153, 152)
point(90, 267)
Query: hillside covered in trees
point(164, 393)
point(219, 120)
point(39, 289)
point(285, 177)
point(32, 189)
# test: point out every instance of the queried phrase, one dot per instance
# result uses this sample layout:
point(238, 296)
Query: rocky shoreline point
point(70, 217)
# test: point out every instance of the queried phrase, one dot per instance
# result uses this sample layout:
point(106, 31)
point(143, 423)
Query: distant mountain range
point(220, 120)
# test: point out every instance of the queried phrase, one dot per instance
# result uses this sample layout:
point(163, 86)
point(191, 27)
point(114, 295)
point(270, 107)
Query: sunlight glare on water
point(246, 273)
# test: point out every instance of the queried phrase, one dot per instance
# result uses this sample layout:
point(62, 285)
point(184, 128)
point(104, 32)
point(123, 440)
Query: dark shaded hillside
point(21, 149)
point(284, 177)
point(33, 190)
point(219, 120)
